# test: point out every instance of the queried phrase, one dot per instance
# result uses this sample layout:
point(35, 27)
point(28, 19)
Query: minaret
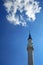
point(30, 50)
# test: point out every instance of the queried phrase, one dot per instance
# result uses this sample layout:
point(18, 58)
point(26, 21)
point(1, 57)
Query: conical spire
point(29, 37)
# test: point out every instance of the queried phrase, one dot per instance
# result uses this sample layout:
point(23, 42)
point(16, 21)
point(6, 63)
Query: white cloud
point(30, 6)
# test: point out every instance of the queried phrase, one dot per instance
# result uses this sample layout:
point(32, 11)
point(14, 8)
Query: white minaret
point(30, 50)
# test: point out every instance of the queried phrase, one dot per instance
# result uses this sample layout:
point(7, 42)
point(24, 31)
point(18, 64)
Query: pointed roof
point(29, 37)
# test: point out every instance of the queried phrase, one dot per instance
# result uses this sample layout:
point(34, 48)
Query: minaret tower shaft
point(30, 50)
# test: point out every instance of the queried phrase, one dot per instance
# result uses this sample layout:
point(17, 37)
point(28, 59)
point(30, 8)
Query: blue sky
point(13, 39)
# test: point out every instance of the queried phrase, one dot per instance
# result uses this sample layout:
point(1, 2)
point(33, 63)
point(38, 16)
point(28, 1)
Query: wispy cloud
point(30, 7)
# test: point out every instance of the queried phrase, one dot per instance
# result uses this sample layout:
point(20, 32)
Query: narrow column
point(30, 51)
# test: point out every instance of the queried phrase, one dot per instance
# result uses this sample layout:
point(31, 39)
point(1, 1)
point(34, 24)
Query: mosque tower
point(30, 50)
